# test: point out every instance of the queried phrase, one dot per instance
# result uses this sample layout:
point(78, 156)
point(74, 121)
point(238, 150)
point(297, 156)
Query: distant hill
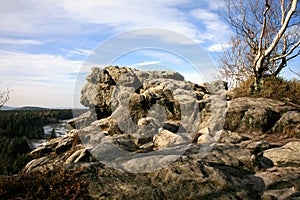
point(23, 108)
point(7, 108)
point(39, 108)
point(30, 108)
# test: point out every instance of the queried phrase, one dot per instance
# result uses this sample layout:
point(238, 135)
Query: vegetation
point(57, 183)
point(14, 154)
point(274, 88)
point(266, 37)
point(29, 123)
point(16, 126)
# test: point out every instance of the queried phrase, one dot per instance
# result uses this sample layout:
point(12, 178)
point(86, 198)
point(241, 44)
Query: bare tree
point(4, 96)
point(266, 36)
point(234, 64)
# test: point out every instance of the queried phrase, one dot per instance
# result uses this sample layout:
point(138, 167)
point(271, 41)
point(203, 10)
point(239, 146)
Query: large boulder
point(287, 155)
point(288, 124)
point(257, 115)
point(167, 139)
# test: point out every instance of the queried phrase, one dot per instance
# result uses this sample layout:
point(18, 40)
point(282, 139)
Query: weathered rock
point(108, 125)
point(233, 137)
point(76, 156)
point(67, 149)
point(288, 124)
point(41, 151)
point(157, 136)
point(287, 155)
point(253, 114)
point(83, 120)
point(167, 139)
point(280, 183)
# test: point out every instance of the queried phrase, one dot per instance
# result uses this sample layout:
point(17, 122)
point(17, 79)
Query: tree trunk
point(259, 73)
point(258, 66)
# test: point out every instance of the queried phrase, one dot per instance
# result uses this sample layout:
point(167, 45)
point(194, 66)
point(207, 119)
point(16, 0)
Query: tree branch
point(263, 26)
point(288, 53)
point(4, 97)
point(297, 73)
point(283, 28)
point(294, 56)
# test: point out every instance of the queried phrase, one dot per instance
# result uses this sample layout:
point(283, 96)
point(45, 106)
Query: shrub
point(272, 87)
point(58, 183)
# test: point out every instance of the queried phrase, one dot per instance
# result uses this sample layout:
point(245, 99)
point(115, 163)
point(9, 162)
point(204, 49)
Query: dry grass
point(274, 88)
point(51, 184)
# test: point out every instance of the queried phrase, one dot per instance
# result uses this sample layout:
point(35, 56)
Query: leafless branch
point(4, 96)
point(296, 73)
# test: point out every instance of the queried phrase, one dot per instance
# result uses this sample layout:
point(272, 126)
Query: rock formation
point(152, 135)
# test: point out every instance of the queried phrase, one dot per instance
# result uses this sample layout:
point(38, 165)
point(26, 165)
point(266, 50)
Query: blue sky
point(47, 47)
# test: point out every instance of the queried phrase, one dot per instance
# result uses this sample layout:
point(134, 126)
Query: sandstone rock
point(156, 136)
point(167, 139)
point(64, 144)
point(287, 155)
point(281, 183)
point(148, 145)
point(108, 125)
point(288, 124)
point(124, 142)
point(41, 151)
point(205, 135)
point(253, 114)
point(77, 156)
point(258, 146)
point(83, 120)
point(36, 164)
point(233, 137)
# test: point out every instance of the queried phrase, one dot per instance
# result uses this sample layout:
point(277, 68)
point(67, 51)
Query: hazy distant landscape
point(18, 126)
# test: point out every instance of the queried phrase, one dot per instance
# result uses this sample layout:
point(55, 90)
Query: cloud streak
point(38, 78)
point(19, 41)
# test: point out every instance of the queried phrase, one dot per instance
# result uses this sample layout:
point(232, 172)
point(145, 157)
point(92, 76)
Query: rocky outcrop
point(152, 135)
point(59, 152)
point(287, 155)
point(288, 124)
point(254, 114)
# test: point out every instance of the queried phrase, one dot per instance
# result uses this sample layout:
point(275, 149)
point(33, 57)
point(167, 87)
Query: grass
point(58, 183)
point(272, 87)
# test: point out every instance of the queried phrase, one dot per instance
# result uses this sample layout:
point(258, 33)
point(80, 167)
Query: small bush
point(58, 183)
point(272, 87)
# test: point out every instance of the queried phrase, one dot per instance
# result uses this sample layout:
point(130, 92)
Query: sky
point(48, 47)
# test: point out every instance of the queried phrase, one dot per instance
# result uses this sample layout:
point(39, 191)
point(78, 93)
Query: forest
point(16, 126)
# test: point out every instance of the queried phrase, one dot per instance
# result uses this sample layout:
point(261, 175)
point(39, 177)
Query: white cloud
point(218, 47)
point(38, 78)
point(217, 32)
point(215, 4)
point(203, 14)
point(69, 17)
point(132, 14)
point(163, 57)
point(81, 52)
point(146, 63)
point(194, 77)
point(75, 17)
point(19, 41)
